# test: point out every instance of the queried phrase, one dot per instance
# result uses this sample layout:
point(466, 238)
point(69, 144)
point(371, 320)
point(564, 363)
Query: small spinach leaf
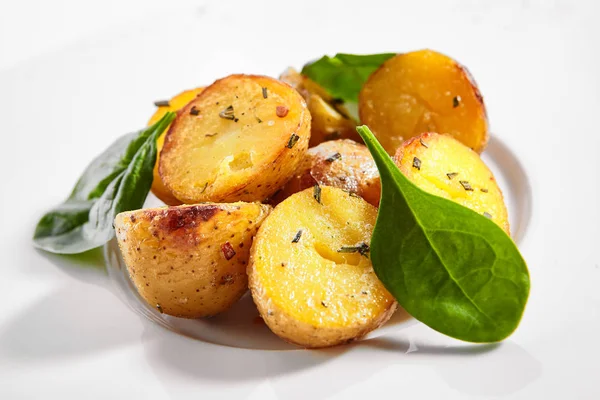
point(117, 180)
point(449, 267)
point(344, 74)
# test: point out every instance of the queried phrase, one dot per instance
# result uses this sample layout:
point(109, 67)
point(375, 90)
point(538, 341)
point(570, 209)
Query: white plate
point(75, 75)
point(242, 327)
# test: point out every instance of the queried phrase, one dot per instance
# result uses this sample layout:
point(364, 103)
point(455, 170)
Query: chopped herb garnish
point(456, 101)
point(487, 215)
point(194, 111)
point(227, 113)
point(264, 91)
point(423, 143)
point(416, 163)
point(211, 134)
point(451, 175)
point(333, 157)
point(297, 237)
point(466, 185)
point(484, 190)
point(162, 103)
point(228, 251)
point(323, 304)
point(281, 111)
point(362, 248)
point(293, 140)
point(317, 193)
point(259, 120)
point(159, 308)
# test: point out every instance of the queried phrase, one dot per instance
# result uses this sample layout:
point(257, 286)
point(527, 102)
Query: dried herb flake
point(416, 163)
point(264, 92)
point(451, 175)
point(317, 193)
point(362, 248)
point(333, 157)
point(466, 185)
point(162, 103)
point(456, 101)
point(227, 113)
point(297, 237)
point(293, 140)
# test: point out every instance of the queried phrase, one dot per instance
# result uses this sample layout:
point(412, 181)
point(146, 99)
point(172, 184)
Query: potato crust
point(308, 290)
point(441, 165)
point(423, 91)
point(344, 164)
point(175, 104)
point(189, 261)
point(240, 139)
point(328, 122)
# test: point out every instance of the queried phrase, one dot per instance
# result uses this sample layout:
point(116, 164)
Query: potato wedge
point(328, 122)
point(175, 104)
point(240, 139)
point(189, 261)
point(441, 165)
point(423, 91)
point(310, 274)
point(344, 164)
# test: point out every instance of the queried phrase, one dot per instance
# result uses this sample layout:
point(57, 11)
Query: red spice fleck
point(281, 111)
point(228, 251)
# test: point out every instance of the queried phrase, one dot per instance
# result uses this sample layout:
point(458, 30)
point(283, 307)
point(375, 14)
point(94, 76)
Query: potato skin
point(342, 163)
point(308, 292)
point(189, 261)
point(449, 169)
point(423, 91)
point(175, 104)
point(328, 123)
point(243, 155)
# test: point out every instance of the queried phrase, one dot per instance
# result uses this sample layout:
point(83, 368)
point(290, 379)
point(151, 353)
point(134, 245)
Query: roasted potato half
point(189, 261)
point(310, 274)
point(175, 104)
point(344, 164)
point(423, 91)
point(328, 122)
point(441, 165)
point(240, 139)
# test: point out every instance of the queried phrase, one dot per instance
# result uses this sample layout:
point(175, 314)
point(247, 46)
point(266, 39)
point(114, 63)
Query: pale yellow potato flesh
point(176, 103)
point(441, 165)
point(240, 139)
point(307, 291)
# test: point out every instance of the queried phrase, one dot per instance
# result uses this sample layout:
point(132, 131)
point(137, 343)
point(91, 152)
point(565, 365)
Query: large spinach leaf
point(118, 180)
point(448, 266)
point(344, 74)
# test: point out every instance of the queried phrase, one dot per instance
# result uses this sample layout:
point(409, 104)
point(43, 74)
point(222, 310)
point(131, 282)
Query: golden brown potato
point(441, 165)
point(328, 122)
point(423, 91)
point(240, 139)
point(189, 261)
point(310, 274)
point(344, 164)
point(175, 104)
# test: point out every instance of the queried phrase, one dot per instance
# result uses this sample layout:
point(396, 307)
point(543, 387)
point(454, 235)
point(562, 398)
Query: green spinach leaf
point(344, 74)
point(449, 267)
point(117, 180)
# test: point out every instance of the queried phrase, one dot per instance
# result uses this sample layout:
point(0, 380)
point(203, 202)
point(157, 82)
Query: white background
point(74, 75)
